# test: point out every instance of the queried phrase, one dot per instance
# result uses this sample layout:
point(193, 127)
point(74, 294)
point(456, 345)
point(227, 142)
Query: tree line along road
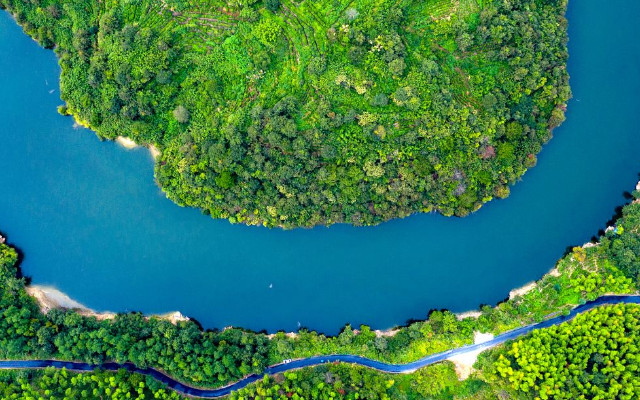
point(318, 360)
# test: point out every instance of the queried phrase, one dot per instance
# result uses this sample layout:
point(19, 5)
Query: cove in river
point(91, 221)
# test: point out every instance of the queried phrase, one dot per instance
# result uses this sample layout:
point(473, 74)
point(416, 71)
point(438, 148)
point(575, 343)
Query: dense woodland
point(214, 358)
point(287, 113)
point(595, 356)
point(324, 382)
point(54, 384)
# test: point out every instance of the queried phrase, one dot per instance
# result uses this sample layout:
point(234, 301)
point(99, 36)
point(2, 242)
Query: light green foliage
point(267, 31)
point(64, 385)
point(431, 381)
point(451, 100)
point(352, 382)
point(594, 356)
point(181, 114)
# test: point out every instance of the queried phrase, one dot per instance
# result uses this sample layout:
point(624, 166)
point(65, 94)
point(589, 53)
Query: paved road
point(317, 360)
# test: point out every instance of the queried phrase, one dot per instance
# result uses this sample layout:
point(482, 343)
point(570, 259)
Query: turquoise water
point(91, 222)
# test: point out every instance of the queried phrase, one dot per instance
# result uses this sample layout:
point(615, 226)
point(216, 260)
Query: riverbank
point(462, 356)
point(123, 141)
point(131, 144)
point(49, 298)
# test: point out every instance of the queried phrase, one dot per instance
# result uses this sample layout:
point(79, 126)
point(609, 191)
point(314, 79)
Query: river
point(91, 221)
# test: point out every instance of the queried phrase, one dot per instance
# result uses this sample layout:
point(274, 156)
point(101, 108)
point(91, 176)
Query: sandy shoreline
point(126, 142)
point(468, 314)
point(521, 291)
point(123, 141)
point(129, 144)
point(50, 298)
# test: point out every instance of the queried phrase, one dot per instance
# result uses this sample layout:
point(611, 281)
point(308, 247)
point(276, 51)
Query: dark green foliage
point(272, 5)
point(316, 112)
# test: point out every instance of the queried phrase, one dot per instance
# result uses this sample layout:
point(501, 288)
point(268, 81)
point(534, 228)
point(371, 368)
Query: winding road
point(317, 360)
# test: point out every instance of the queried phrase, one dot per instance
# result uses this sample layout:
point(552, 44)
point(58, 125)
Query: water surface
point(91, 221)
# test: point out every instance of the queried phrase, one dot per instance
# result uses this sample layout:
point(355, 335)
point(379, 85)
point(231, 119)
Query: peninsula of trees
point(287, 113)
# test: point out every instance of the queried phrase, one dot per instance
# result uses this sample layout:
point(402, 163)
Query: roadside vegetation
point(65, 385)
point(285, 113)
point(183, 350)
point(593, 356)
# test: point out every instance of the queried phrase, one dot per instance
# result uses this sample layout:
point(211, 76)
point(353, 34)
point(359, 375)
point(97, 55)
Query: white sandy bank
point(49, 298)
point(468, 314)
point(130, 144)
point(521, 291)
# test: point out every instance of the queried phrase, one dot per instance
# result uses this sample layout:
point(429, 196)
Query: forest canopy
point(285, 113)
point(595, 356)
